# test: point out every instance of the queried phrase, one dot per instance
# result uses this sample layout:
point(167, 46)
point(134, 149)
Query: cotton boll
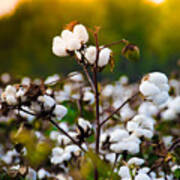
point(89, 97)
point(66, 35)
point(124, 172)
point(54, 135)
point(52, 80)
point(148, 89)
point(131, 126)
point(158, 78)
point(167, 140)
point(60, 111)
point(161, 98)
point(142, 177)
point(104, 57)
point(169, 114)
point(175, 104)
point(148, 109)
point(47, 101)
point(57, 151)
point(42, 173)
point(107, 91)
point(90, 54)
point(81, 33)
point(136, 161)
point(62, 139)
point(73, 44)
point(85, 125)
point(59, 47)
point(76, 77)
point(118, 135)
point(154, 86)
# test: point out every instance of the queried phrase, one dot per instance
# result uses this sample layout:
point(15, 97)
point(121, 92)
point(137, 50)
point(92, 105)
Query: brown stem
point(119, 108)
point(66, 134)
point(58, 127)
point(124, 41)
point(88, 77)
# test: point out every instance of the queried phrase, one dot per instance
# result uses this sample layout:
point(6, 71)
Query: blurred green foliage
point(26, 36)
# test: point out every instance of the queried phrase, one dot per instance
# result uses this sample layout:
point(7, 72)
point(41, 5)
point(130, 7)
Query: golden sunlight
point(7, 6)
point(157, 1)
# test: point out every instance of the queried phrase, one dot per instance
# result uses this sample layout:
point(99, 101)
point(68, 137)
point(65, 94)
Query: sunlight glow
point(7, 6)
point(157, 1)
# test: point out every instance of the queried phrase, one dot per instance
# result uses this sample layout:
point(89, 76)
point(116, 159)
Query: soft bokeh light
point(157, 1)
point(6, 6)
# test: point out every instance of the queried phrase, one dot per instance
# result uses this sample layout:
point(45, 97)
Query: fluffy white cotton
point(136, 161)
point(142, 177)
point(84, 124)
point(175, 104)
point(118, 135)
point(169, 114)
point(124, 172)
point(107, 91)
point(141, 125)
point(47, 101)
point(90, 54)
point(70, 41)
point(9, 95)
point(148, 89)
point(52, 80)
point(59, 47)
point(81, 33)
point(76, 77)
point(42, 173)
point(104, 57)
point(154, 86)
point(89, 97)
point(60, 111)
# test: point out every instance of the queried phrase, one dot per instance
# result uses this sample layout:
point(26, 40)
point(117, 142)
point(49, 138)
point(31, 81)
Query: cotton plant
point(83, 128)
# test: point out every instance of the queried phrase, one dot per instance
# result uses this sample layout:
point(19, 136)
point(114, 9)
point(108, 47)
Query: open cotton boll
point(160, 98)
point(154, 86)
point(118, 135)
point(9, 95)
point(148, 109)
point(52, 80)
point(66, 35)
point(136, 161)
point(47, 101)
point(148, 89)
point(89, 97)
point(59, 47)
point(73, 44)
point(81, 33)
point(175, 104)
point(169, 114)
point(85, 125)
point(108, 90)
point(124, 172)
point(90, 54)
point(142, 177)
point(104, 57)
point(60, 111)
point(158, 78)
point(76, 77)
point(42, 173)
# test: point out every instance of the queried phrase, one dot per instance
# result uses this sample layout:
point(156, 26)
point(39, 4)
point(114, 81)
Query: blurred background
point(27, 28)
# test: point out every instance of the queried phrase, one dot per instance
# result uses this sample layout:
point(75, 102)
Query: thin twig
point(66, 134)
point(119, 108)
point(124, 41)
point(58, 127)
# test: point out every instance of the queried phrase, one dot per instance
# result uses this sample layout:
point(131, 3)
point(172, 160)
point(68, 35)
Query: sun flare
point(7, 6)
point(157, 1)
